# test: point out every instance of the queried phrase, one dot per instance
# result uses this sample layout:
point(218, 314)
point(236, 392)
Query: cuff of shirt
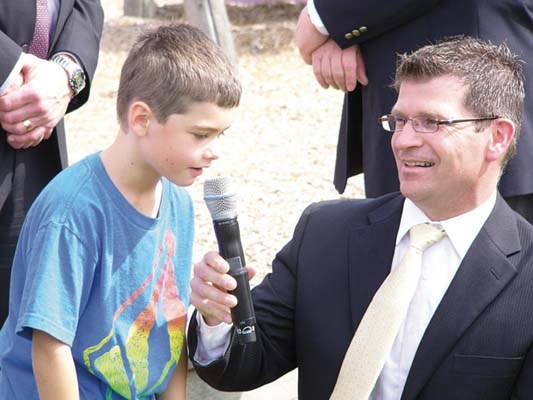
point(315, 18)
point(212, 341)
point(14, 72)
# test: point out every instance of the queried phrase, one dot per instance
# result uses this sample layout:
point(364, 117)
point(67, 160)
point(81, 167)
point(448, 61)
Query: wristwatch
point(76, 76)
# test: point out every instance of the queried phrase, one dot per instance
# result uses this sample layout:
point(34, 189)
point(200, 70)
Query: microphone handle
point(230, 248)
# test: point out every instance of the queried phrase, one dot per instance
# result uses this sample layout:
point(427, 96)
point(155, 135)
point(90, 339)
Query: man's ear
point(502, 135)
point(139, 117)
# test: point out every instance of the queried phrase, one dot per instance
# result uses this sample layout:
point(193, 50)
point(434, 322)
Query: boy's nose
point(211, 152)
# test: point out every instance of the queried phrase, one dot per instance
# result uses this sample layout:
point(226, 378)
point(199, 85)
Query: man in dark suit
point(468, 330)
point(360, 40)
point(49, 54)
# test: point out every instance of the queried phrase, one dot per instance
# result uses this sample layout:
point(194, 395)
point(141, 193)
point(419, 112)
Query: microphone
point(221, 199)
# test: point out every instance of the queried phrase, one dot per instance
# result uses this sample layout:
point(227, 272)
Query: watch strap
point(76, 76)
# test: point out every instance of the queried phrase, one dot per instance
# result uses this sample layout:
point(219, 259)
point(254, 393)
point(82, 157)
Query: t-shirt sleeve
point(59, 274)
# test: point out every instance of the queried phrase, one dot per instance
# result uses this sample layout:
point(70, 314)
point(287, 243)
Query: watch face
point(76, 77)
point(77, 81)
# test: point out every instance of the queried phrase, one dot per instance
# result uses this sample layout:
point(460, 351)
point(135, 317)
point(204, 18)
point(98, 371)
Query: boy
point(99, 290)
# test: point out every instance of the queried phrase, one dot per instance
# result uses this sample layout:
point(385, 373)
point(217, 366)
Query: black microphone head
point(221, 198)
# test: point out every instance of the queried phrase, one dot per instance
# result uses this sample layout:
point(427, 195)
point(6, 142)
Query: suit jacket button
point(348, 36)
point(356, 33)
point(25, 47)
point(363, 29)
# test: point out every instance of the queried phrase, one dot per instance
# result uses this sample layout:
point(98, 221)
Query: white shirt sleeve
point(14, 72)
point(315, 18)
point(212, 341)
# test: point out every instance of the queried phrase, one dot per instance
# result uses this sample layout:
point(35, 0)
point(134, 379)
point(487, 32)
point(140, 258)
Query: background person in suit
point(359, 41)
point(468, 331)
point(35, 94)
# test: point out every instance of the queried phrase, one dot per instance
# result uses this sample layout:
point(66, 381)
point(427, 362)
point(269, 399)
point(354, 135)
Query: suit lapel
point(370, 255)
point(483, 274)
point(65, 8)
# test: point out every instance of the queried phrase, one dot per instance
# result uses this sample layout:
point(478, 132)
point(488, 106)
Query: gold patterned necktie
point(374, 337)
point(40, 42)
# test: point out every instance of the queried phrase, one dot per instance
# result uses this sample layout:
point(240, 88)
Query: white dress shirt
point(440, 262)
point(53, 11)
point(315, 18)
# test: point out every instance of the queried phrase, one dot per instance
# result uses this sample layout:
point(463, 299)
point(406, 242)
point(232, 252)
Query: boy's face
point(184, 145)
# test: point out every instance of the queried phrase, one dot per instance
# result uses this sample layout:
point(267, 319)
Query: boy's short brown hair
point(173, 66)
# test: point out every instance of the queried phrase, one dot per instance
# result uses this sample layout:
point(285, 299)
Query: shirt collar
point(461, 230)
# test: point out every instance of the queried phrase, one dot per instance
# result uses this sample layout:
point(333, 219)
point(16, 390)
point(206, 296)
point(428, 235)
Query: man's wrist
point(75, 74)
point(212, 340)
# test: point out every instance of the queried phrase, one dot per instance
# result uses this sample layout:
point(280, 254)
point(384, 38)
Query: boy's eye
point(208, 135)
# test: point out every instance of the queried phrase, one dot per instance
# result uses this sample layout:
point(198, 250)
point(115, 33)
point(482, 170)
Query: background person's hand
point(332, 66)
point(307, 37)
point(14, 84)
point(30, 113)
point(339, 68)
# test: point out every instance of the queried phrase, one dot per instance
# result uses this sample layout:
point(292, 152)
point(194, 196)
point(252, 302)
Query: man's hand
point(332, 66)
point(14, 84)
point(339, 68)
point(307, 37)
point(30, 113)
point(209, 288)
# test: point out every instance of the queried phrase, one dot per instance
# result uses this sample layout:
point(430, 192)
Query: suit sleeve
point(81, 36)
point(354, 22)
point(273, 354)
point(11, 52)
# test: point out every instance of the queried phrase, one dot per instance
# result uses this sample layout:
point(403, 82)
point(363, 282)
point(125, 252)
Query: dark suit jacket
point(78, 31)
point(476, 347)
point(398, 26)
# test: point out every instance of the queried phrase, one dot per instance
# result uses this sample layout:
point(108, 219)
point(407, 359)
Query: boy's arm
point(53, 367)
point(178, 381)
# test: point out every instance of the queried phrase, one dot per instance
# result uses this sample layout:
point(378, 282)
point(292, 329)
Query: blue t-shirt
point(110, 282)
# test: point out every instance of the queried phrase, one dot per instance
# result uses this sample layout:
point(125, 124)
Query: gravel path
point(280, 152)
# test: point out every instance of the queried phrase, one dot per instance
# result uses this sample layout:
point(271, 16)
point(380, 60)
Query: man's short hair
point(492, 74)
point(173, 66)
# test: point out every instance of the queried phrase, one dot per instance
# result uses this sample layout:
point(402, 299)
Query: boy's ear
point(502, 137)
point(139, 117)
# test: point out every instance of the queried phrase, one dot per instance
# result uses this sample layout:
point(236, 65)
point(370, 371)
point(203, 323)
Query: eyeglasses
point(392, 123)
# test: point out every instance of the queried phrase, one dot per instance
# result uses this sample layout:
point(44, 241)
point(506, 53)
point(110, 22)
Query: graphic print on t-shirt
point(128, 370)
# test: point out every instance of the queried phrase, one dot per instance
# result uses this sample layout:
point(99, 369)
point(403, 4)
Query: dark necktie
point(40, 42)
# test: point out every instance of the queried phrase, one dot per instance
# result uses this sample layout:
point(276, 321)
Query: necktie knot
point(424, 235)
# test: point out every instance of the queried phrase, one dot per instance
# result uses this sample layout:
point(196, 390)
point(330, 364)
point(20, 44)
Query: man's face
point(444, 173)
